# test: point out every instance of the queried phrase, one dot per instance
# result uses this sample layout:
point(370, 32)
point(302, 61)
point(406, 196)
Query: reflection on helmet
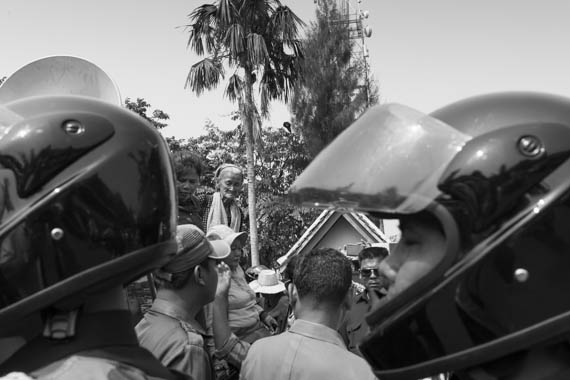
point(87, 200)
point(499, 188)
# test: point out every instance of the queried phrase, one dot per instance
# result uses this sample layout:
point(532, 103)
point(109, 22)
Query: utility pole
point(352, 15)
point(364, 31)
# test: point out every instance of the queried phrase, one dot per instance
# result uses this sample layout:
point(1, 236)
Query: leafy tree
point(259, 41)
point(333, 93)
point(142, 107)
point(277, 163)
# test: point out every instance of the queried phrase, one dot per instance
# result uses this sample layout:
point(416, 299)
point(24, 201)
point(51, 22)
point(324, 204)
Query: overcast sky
point(424, 54)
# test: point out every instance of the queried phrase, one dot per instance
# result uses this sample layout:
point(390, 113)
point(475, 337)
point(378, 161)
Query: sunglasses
point(367, 272)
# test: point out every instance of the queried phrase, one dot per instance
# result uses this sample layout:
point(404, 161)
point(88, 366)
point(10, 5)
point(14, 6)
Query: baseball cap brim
point(220, 249)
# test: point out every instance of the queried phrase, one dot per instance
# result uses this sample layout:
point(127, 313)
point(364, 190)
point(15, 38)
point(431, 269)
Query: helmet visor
point(60, 75)
point(388, 161)
point(7, 119)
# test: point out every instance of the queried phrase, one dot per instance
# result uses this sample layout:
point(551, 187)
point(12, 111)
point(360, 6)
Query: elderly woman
point(247, 320)
point(221, 207)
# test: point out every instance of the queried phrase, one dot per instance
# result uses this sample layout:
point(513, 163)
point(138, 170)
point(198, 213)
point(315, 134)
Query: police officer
point(87, 204)
point(480, 277)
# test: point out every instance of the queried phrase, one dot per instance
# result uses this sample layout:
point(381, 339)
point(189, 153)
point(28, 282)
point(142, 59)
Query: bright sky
point(424, 54)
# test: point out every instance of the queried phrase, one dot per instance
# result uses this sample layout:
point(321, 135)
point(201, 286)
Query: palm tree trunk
point(247, 120)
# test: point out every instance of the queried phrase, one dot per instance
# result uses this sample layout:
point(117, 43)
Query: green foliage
point(332, 95)
point(142, 107)
point(277, 163)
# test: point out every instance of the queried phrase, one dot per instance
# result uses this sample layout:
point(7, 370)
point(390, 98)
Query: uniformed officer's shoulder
point(190, 334)
point(361, 367)
point(177, 332)
point(75, 367)
point(166, 333)
point(269, 343)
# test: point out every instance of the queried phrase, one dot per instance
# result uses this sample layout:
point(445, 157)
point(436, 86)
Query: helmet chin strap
point(60, 324)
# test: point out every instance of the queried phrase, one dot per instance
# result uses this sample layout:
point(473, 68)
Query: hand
point(376, 284)
point(224, 280)
point(270, 322)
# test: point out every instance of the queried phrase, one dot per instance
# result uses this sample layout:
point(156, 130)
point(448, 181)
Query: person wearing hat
point(174, 329)
point(246, 319)
point(272, 296)
point(267, 282)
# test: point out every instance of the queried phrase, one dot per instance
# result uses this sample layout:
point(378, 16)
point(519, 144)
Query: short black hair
point(184, 160)
point(323, 273)
point(372, 253)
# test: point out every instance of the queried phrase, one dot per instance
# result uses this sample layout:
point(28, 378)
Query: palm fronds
point(204, 75)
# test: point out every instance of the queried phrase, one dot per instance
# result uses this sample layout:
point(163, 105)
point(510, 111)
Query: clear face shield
point(388, 161)
point(60, 75)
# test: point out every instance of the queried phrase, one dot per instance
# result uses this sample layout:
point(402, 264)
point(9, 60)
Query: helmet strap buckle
point(60, 324)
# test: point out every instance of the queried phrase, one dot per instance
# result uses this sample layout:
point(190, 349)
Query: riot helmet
point(490, 174)
point(87, 194)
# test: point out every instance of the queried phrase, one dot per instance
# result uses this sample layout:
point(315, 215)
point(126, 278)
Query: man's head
point(87, 199)
point(481, 190)
point(229, 181)
point(370, 259)
point(194, 264)
point(322, 278)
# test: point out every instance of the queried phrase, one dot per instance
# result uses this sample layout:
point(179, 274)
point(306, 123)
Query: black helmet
point(494, 172)
point(87, 195)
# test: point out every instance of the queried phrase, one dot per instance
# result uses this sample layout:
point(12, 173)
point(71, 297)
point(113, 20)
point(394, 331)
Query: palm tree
point(259, 41)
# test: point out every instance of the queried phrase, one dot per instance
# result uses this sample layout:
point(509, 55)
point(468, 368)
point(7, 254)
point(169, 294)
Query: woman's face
point(188, 180)
point(233, 259)
point(230, 183)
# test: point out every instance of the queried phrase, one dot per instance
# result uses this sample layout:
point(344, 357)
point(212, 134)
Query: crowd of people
point(474, 289)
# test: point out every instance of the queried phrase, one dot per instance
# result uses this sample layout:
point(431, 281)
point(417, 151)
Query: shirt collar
point(362, 297)
point(174, 311)
point(316, 331)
